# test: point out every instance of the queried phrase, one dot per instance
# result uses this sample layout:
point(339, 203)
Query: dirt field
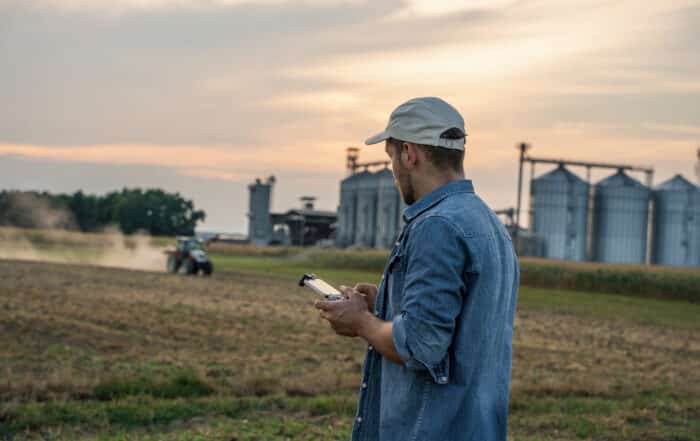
point(101, 353)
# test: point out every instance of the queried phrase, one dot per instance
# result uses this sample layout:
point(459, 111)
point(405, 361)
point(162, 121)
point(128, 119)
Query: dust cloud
point(134, 252)
point(110, 248)
point(31, 210)
point(49, 235)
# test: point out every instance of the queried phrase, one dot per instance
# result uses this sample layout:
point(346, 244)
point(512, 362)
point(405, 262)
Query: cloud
point(406, 9)
point(225, 90)
point(142, 6)
point(211, 162)
point(412, 9)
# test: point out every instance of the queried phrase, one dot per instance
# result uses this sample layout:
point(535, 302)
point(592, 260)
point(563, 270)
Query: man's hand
point(346, 316)
point(370, 292)
point(352, 318)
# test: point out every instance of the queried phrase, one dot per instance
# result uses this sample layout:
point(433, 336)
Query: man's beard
point(405, 185)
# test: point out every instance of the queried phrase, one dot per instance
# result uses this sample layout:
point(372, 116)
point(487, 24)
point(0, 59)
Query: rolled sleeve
point(432, 297)
point(438, 371)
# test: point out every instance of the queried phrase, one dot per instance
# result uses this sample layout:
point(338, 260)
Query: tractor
point(188, 257)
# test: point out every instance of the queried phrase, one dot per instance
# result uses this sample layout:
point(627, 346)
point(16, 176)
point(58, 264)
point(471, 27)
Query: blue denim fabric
point(450, 286)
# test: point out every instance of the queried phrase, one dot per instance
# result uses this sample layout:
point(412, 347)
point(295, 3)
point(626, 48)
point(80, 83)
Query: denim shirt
point(450, 287)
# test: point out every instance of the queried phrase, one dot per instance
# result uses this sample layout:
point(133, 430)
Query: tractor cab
point(187, 244)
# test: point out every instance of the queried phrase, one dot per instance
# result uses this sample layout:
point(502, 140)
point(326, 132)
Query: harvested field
point(100, 353)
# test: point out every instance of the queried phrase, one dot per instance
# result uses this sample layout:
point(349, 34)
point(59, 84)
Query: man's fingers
point(323, 305)
point(366, 288)
point(346, 290)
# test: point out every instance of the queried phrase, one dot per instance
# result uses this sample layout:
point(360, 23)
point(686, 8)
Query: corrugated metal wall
point(259, 222)
point(370, 210)
point(559, 207)
point(347, 211)
point(387, 209)
point(621, 207)
point(676, 223)
point(366, 217)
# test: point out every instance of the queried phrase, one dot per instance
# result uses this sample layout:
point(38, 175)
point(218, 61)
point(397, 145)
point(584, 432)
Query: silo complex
point(559, 206)
point(676, 223)
point(620, 220)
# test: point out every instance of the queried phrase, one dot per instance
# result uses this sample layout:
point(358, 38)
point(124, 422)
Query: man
point(440, 325)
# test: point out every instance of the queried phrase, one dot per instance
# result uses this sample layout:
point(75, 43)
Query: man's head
point(425, 141)
point(411, 162)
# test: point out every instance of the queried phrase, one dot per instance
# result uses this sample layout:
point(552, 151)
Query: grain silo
point(620, 217)
point(366, 216)
point(347, 211)
point(259, 222)
point(559, 207)
point(676, 223)
point(387, 209)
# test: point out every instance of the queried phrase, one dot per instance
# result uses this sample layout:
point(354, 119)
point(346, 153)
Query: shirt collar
point(434, 197)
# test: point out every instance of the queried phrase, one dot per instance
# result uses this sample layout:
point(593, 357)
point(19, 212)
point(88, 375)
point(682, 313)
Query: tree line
point(132, 210)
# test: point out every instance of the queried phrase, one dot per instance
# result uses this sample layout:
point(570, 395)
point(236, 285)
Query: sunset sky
point(202, 96)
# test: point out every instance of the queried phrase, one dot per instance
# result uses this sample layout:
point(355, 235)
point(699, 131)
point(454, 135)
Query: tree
point(153, 211)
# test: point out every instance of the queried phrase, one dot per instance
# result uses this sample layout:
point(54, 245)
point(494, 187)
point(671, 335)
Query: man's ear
point(409, 155)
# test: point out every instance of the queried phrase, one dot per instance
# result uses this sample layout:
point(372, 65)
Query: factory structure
point(616, 220)
point(302, 226)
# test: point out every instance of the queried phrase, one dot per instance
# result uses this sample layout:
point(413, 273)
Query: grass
point(642, 281)
point(183, 384)
point(645, 310)
point(632, 280)
point(96, 353)
point(140, 252)
point(613, 307)
point(329, 417)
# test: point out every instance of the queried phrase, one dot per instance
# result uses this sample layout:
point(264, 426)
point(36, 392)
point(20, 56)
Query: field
point(100, 353)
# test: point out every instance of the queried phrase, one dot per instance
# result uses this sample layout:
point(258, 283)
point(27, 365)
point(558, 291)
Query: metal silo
point(559, 204)
point(620, 220)
point(347, 212)
point(259, 222)
point(366, 218)
point(677, 223)
point(387, 209)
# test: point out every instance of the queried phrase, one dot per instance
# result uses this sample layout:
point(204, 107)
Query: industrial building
point(259, 221)
point(559, 201)
point(299, 226)
point(617, 220)
point(620, 220)
point(370, 208)
point(676, 223)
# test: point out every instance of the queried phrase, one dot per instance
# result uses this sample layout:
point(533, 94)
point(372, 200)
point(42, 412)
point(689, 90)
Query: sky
point(203, 96)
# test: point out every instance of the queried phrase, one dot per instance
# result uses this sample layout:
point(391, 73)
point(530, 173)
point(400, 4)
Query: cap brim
point(376, 139)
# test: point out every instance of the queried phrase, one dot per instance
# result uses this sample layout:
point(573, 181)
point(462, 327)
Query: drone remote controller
point(320, 287)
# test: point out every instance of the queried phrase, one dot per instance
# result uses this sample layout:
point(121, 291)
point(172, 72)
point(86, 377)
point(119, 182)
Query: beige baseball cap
point(427, 121)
